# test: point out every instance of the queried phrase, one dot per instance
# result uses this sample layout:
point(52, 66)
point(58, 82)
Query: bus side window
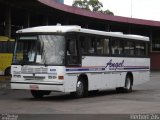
point(129, 48)
point(87, 45)
point(106, 46)
point(91, 45)
point(132, 48)
point(140, 49)
point(117, 47)
point(102, 46)
point(83, 44)
point(126, 48)
point(71, 47)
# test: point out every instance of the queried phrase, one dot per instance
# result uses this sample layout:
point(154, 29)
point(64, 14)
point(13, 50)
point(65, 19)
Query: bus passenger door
point(72, 51)
point(73, 59)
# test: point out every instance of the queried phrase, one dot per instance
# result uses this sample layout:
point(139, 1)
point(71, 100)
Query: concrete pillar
point(151, 38)
point(86, 25)
point(107, 27)
point(27, 20)
point(8, 21)
point(129, 29)
point(66, 22)
point(45, 20)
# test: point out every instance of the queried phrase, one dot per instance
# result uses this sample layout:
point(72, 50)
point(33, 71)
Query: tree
point(91, 5)
point(95, 5)
point(81, 4)
point(108, 12)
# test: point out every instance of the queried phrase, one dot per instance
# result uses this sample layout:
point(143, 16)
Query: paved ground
point(144, 99)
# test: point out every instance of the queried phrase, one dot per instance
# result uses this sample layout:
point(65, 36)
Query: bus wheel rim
point(128, 83)
point(80, 88)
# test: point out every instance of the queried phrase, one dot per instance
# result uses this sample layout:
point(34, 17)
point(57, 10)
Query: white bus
point(74, 60)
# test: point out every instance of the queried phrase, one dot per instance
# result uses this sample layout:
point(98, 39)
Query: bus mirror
point(38, 59)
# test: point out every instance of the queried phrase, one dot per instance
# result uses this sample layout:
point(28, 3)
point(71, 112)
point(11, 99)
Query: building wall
point(155, 61)
point(15, 18)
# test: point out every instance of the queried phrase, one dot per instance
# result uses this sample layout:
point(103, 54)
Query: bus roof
point(75, 28)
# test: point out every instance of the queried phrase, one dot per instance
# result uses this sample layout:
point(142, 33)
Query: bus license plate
point(34, 87)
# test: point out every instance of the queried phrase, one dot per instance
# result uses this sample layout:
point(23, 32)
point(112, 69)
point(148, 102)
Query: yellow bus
point(6, 54)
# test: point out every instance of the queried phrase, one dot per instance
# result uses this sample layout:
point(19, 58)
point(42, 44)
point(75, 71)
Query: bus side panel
point(94, 81)
point(121, 79)
point(99, 75)
point(96, 78)
point(111, 81)
point(70, 82)
point(142, 76)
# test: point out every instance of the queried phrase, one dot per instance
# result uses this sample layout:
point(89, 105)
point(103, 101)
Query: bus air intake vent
point(28, 70)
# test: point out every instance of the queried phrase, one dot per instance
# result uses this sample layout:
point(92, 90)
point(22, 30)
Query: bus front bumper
point(57, 87)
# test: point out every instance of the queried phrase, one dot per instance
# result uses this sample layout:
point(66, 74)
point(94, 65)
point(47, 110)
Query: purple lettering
point(114, 66)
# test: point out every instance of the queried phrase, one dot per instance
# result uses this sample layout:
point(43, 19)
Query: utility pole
point(131, 9)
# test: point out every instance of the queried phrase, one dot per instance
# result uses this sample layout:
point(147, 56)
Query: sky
point(142, 9)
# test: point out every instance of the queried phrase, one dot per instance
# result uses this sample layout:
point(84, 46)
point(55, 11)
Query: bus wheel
point(81, 89)
point(128, 84)
point(37, 93)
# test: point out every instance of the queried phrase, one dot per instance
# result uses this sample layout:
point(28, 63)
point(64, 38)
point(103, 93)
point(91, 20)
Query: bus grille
point(34, 77)
point(41, 70)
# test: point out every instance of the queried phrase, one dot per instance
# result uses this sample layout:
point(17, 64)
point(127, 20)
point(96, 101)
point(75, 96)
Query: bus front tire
point(81, 89)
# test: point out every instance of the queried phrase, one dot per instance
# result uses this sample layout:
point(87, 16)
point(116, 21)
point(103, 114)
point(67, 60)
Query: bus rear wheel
point(127, 87)
point(128, 84)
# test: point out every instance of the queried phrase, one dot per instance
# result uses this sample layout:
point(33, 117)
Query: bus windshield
point(40, 49)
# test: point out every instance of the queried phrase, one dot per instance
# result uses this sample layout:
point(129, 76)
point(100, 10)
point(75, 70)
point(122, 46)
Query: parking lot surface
point(145, 99)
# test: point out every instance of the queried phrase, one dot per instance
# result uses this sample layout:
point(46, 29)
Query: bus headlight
point(52, 77)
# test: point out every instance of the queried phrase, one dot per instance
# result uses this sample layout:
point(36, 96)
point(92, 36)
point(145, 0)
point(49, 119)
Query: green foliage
point(108, 12)
point(95, 5)
point(81, 4)
point(91, 5)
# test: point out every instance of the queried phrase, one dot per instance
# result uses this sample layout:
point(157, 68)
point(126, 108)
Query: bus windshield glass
point(40, 49)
